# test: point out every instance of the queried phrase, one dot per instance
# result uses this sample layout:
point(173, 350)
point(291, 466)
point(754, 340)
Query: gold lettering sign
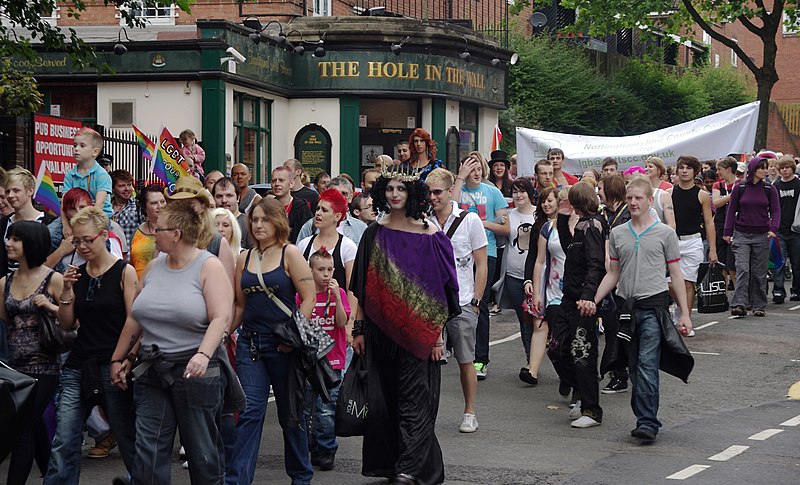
point(401, 70)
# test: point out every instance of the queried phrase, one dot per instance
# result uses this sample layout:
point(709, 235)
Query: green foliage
point(555, 87)
point(18, 91)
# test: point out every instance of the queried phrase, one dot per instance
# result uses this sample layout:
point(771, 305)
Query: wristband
point(203, 353)
point(358, 328)
point(66, 302)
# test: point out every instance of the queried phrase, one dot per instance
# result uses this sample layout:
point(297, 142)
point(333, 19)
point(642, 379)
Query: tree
point(679, 17)
point(22, 31)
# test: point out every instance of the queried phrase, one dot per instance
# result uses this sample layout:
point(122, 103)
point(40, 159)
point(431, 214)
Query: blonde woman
point(229, 228)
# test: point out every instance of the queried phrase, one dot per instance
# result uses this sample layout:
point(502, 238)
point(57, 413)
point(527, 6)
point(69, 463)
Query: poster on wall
point(312, 146)
point(52, 145)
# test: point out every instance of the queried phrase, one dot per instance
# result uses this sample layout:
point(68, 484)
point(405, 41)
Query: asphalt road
point(732, 424)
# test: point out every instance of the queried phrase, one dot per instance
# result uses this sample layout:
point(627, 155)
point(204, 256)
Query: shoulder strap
point(268, 291)
point(307, 252)
point(456, 223)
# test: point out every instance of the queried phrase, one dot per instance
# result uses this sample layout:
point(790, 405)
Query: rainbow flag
point(497, 137)
point(169, 163)
point(146, 145)
point(45, 191)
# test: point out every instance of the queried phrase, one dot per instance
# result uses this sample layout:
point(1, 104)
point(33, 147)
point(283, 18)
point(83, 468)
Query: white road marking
point(705, 353)
point(701, 327)
point(729, 453)
point(733, 316)
point(792, 422)
point(796, 307)
point(794, 360)
point(763, 435)
point(507, 339)
point(687, 472)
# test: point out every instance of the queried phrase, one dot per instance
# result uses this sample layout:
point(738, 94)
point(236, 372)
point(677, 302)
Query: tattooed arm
point(669, 209)
point(300, 273)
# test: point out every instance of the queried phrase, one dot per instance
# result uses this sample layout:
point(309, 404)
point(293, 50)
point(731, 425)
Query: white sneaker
point(575, 412)
point(691, 333)
point(469, 424)
point(584, 422)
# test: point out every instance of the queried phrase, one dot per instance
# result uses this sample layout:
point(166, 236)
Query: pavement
point(731, 424)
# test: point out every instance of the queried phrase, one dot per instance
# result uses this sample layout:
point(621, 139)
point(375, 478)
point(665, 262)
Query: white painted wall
point(301, 112)
point(155, 104)
point(427, 114)
point(487, 119)
point(451, 108)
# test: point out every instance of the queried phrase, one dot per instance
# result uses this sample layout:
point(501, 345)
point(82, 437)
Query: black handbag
point(52, 338)
point(17, 394)
point(712, 291)
point(351, 406)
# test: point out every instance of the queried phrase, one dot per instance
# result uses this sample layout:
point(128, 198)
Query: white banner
point(707, 138)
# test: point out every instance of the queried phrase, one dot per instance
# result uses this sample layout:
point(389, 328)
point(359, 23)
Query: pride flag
point(497, 137)
point(169, 163)
point(45, 191)
point(146, 145)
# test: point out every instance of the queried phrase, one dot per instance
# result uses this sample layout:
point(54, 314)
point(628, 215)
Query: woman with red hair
point(423, 153)
point(331, 210)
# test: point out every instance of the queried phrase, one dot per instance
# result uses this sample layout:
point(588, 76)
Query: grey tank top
point(171, 308)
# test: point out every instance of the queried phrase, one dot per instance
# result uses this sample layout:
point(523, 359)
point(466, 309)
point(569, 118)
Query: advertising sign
point(52, 145)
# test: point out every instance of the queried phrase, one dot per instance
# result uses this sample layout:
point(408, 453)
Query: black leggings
point(35, 436)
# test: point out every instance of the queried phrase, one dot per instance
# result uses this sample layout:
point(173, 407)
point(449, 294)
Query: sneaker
point(480, 370)
point(494, 312)
point(576, 399)
point(327, 461)
point(575, 412)
point(644, 434)
point(795, 296)
point(615, 385)
point(778, 297)
point(585, 422)
point(564, 389)
point(469, 424)
point(691, 333)
point(526, 377)
point(759, 313)
point(102, 447)
point(738, 311)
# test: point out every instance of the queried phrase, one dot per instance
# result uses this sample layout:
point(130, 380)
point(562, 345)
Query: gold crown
point(403, 173)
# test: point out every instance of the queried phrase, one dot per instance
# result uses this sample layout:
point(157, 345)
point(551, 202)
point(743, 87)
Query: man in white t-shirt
point(465, 230)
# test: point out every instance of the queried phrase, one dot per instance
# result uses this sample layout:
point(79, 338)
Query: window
point(790, 28)
point(251, 133)
point(322, 8)
point(734, 59)
point(121, 114)
point(156, 13)
point(47, 11)
point(467, 129)
point(706, 38)
point(716, 60)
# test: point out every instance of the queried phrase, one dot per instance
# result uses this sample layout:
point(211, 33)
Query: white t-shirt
point(520, 240)
point(468, 237)
point(348, 249)
point(555, 279)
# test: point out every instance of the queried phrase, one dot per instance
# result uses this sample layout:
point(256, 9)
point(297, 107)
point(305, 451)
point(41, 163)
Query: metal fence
point(124, 150)
point(485, 16)
point(791, 116)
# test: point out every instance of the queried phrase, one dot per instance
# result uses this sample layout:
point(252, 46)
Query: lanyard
point(639, 236)
point(616, 216)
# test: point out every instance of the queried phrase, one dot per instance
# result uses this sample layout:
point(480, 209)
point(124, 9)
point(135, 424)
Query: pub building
point(333, 92)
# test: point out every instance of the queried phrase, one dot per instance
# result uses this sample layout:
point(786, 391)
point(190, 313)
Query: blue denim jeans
point(319, 418)
point(272, 367)
point(644, 359)
point(790, 249)
point(64, 467)
point(192, 406)
point(515, 291)
point(482, 335)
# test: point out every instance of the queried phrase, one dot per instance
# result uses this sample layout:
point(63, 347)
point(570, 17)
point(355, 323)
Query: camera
point(235, 55)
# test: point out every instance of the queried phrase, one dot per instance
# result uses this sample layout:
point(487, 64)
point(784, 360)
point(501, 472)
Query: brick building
point(329, 90)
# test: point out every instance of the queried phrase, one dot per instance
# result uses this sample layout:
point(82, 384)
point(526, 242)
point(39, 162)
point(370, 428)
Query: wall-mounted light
point(397, 47)
point(255, 24)
point(298, 48)
point(496, 59)
point(119, 47)
point(465, 56)
point(187, 89)
point(320, 50)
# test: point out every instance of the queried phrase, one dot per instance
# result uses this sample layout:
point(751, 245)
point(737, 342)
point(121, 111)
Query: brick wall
point(779, 138)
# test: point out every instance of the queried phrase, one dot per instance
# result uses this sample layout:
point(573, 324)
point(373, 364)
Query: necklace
point(262, 251)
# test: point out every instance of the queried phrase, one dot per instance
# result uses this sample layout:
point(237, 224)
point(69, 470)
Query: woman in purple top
point(751, 220)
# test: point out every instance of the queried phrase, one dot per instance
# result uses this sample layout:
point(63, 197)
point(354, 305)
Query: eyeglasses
point(85, 241)
point(94, 284)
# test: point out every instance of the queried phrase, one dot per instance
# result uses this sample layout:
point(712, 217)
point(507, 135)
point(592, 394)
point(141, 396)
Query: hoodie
point(752, 209)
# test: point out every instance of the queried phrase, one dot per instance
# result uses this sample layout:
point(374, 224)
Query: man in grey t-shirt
point(639, 252)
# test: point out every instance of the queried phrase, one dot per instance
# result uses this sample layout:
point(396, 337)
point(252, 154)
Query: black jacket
point(585, 265)
point(675, 360)
point(298, 215)
point(48, 218)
